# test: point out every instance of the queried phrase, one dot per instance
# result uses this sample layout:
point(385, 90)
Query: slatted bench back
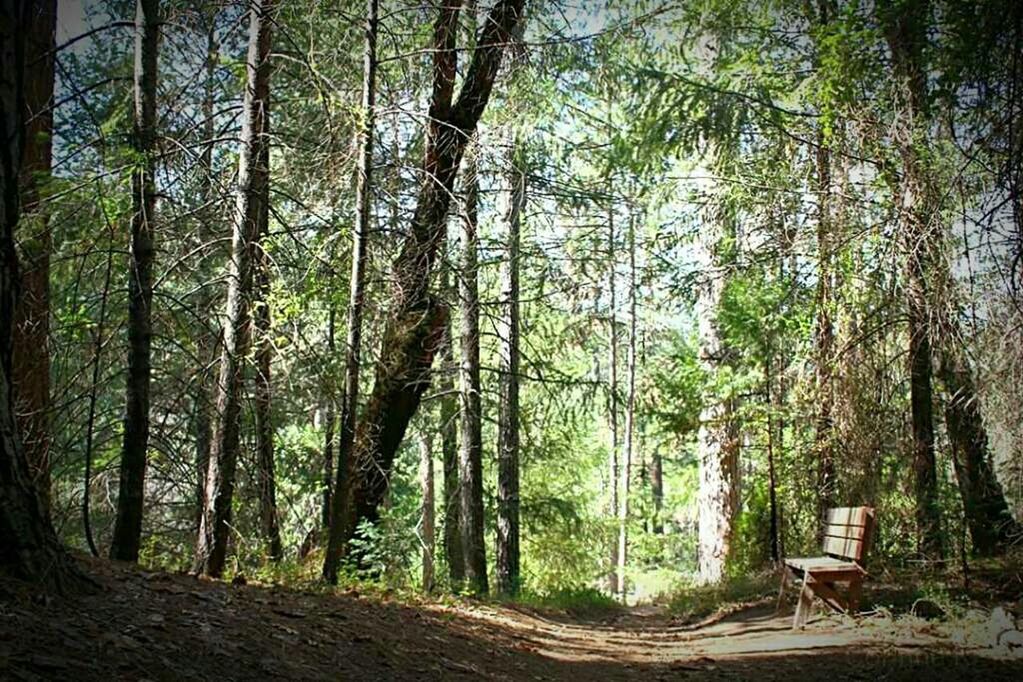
point(847, 532)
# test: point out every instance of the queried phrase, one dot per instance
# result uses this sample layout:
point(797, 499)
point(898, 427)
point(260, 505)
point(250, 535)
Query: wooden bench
point(847, 535)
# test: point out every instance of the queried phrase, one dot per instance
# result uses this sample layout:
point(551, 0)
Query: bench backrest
point(848, 531)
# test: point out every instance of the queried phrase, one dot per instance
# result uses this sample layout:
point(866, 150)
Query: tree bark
point(905, 30)
point(31, 363)
point(991, 524)
point(251, 194)
point(415, 321)
point(718, 442)
point(471, 453)
point(30, 549)
point(426, 481)
point(128, 525)
point(263, 398)
point(356, 299)
point(507, 559)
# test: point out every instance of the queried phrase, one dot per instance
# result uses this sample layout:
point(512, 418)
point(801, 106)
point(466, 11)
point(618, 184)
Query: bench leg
point(781, 590)
point(855, 593)
point(805, 603)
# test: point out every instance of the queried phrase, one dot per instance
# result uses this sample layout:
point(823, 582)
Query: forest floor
point(142, 625)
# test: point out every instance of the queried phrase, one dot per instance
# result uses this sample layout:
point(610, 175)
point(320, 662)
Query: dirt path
point(156, 626)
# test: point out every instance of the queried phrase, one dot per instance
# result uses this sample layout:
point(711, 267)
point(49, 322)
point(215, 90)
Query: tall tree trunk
point(426, 482)
point(263, 398)
point(612, 387)
point(449, 451)
point(905, 25)
point(415, 323)
point(202, 402)
point(772, 480)
point(825, 337)
point(508, 571)
point(31, 364)
point(471, 454)
point(718, 442)
point(128, 525)
point(630, 419)
point(251, 195)
point(346, 464)
point(30, 547)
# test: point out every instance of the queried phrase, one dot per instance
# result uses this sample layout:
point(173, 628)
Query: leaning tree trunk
point(905, 31)
point(30, 547)
point(128, 525)
point(356, 301)
point(252, 193)
point(416, 319)
point(507, 559)
point(31, 363)
point(263, 398)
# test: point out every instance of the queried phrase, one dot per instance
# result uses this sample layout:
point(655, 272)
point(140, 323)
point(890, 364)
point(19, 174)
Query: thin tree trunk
point(251, 195)
point(657, 490)
point(471, 454)
point(507, 559)
point(202, 403)
point(128, 525)
point(426, 481)
point(772, 481)
point(329, 423)
point(612, 388)
point(30, 547)
point(346, 464)
point(263, 399)
point(630, 420)
point(31, 363)
point(905, 31)
point(415, 324)
point(449, 451)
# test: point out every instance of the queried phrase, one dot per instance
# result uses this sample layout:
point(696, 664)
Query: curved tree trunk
point(252, 193)
point(130, 498)
point(415, 323)
point(31, 364)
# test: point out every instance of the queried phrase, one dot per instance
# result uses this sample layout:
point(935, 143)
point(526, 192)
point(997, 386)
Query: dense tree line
point(656, 285)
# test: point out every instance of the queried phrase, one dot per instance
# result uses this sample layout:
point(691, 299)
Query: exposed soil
point(159, 626)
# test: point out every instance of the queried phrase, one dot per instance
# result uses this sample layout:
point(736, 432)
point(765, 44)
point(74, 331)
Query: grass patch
point(576, 600)
point(695, 602)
